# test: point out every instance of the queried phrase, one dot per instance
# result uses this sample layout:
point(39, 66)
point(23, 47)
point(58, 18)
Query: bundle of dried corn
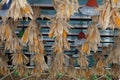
point(3, 64)
point(12, 43)
point(32, 37)
point(65, 8)
point(115, 3)
point(19, 9)
point(83, 63)
point(92, 40)
point(19, 60)
point(115, 70)
point(40, 64)
point(116, 18)
point(109, 14)
point(59, 29)
point(5, 31)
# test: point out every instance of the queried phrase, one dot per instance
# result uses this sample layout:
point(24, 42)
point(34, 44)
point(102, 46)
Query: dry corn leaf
point(109, 13)
point(92, 40)
point(32, 37)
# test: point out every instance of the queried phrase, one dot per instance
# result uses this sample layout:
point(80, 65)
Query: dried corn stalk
point(32, 37)
point(92, 40)
point(109, 14)
point(3, 64)
point(59, 29)
point(19, 9)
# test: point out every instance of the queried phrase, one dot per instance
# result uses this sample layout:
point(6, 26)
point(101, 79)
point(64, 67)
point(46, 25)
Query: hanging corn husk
point(109, 14)
point(40, 64)
point(85, 48)
point(19, 58)
point(92, 40)
point(65, 8)
point(5, 31)
point(59, 29)
point(9, 37)
point(105, 14)
point(31, 36)
point(20, 9)
point(3, 64)
point(93, 35)
point(115, 3)
point(116, 18)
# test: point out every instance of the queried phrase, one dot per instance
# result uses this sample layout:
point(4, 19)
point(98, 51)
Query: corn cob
point(85, 48)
